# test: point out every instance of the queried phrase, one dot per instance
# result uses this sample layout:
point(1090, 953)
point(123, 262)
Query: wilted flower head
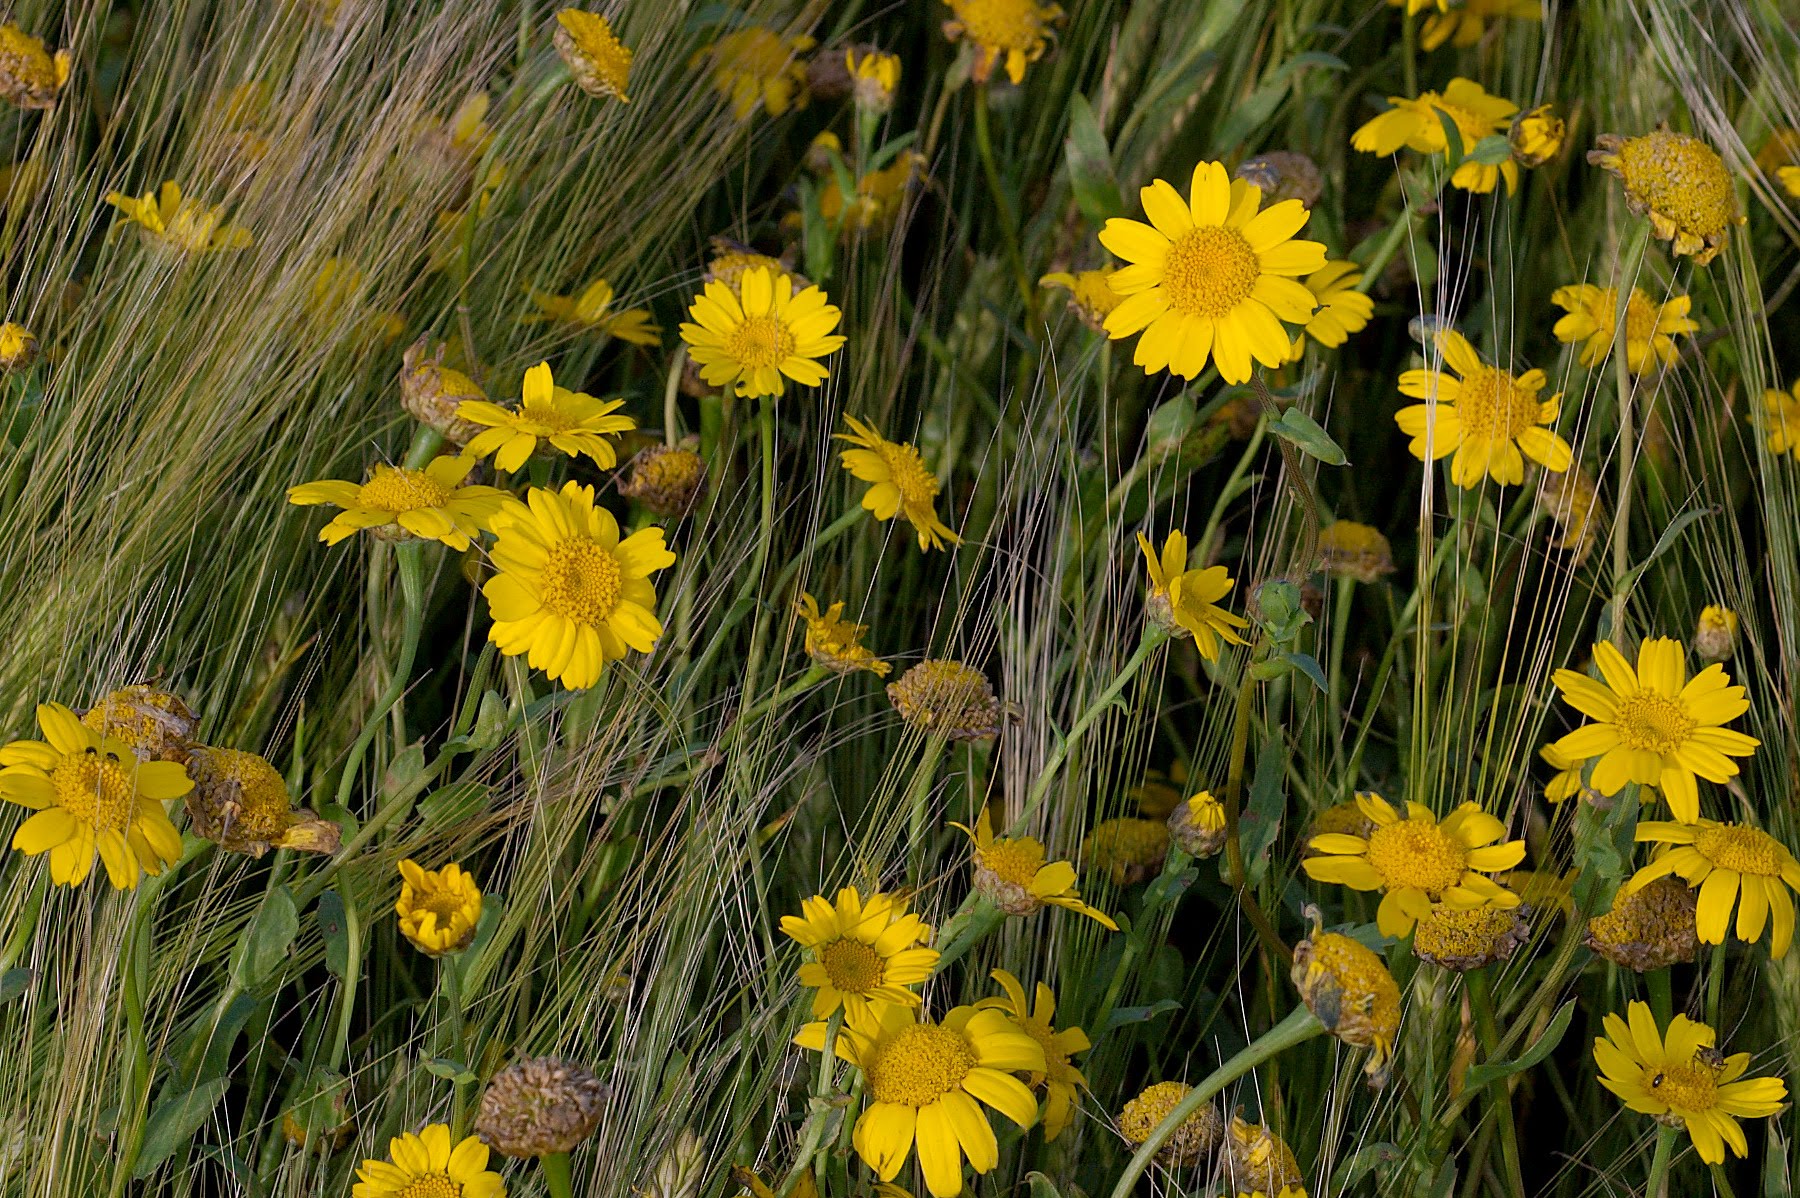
point(431, 392)
point(730, 260)
point(1090, 294)
point(183, 225)
point(1017, 31)
point(1716, 633)
point(899, 483)
point(1283, 175)
point(756, 66)
point(1647, 929)
point(18, 346)
point(667, 479)
point(1572, 500)
point(834, 642)
point(1185, 602)
point(1464, 940)
point(599, 61)
point(1192, 1139)
point(438, 908)
point(1130, 850)
point(947, 698)
point(1345, 819)
point(1015, 874)
point(1679, 182)
point(241, 802)
point(874, 77)
point(1536, 135)
point(156, 725)
point(1198, 825)
point(1348, 988)
point(30, 76)
point(539, 1106)
point(1259, 1162)
point(1351, 550)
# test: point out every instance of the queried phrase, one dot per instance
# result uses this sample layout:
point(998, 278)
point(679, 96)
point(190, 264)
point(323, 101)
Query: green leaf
point(1261, 822)
point(1091, 175)
point(1042, 1186)
point(448, 806)
point(1491, 150)
point(1126, 1016)
point(1307, 664)
point(1361, 1163)
point(13, 983)
point(1168, 888)
point(405, 776)
point(1666, 542)
point(338, 927)
point(174, 1122)
point(1170, 424)
point(1308, 437)
point(449, 1069)
point(1455, 150)
point(1486, 1074)
point(268, 937)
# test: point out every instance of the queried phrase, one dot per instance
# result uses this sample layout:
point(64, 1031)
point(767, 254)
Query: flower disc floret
point(599, 61)
point(1193, 1137)
point(1680, 183)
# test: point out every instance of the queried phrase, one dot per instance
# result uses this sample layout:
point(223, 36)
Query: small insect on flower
point(570, 422)
point(1185, 602)
point(834, 642)
point(757, 66)
point(899, 483)
point(1259, 1163)
point(540, 1106)
point(30, 76)
point(1715, 633)
point(1681, 1080)
point(400, 503)
point(1680, 183)
point(1016, 32)
point(438, 908)
point(599, 61)
point(1349, 990)
point(1129, 850)
point(1061, 1080)
point(1650, 927)
point(1090, 294)
point(156, 724)
point(1536, 135)
point(1416, 125)
point(427, 1165)
point(950, 699)
point(592, 310)
point(1650, 328)
point(1781, 420)
point(1489, 419)
point(1732, 865)
point(1193, 1137)
point(874, 76)
point(241, 803)
point(1351, 550)
point(18, 347)
point(1015, 874)
point(867, 952)
point(168, 220)
point(764, 333)
point(92, 797)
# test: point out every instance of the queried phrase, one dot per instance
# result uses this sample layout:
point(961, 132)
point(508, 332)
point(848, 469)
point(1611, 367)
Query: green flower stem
point(1234, 849)
point(1299, 1027)
point(557, 1181)
point(827, 535)
point(821, 1097)
point(410, 559)
point(1627, 447)
point(1662, 998)
point(1721, 1185)
point(1479, 984)
point(1384, 253)
point(1658, 1185)
point(918, 804)
point(1009, 230)
point(1715, 983)
point(671, 392)
point(450, 984)
point(134, 986)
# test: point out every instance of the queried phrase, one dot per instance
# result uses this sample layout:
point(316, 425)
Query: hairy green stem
point(557, 1180)
point(1658, 1185)
point(1480, 986)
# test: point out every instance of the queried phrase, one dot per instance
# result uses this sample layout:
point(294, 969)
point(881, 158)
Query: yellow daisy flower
point(868, 951)
point(438, 908)
point(1567, 783)
point(592, 310)
point(1789, 178)
point(1059, 1078)
point(899, 482)
point(184, 225)
point(30, 76)
point(1343, 309)
point(570, 421)
point(924, 1083)
point(1415, 125)
point(1415, 861)
point(1680, 183)
point(835, 642)
point(1732, 864)
point(1488, 418)
point(599, 61)
point(1351, 550)
point(1212, 277)
point(1653, 725)
point(751, 337)
point(1682, 1080)
point(877, 199)
point(431, 504)
point(1650, 328)
point(1536, 135)
point(18, 346)
point(757, 66)
point(1014, 873)
point(1463, 25)
point(428, 1165)
point(571, 593)
point(1090, 294)
point(92, 797)
point(874, 77)
point(1781, 419)
point(1188, 600)
point(1017, 31)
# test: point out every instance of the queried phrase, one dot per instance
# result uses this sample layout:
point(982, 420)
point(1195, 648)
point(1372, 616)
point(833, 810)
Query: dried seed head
point(948, 698)
point(1131, 850)
point(1257, 1161)
point(540, 1106)
point(1465, 940)
point(1283, 175)
point(431, 392)
point(1647, 929)
point(666, 479)
point(241, 802)
point(1348, 988)
point(1196, 1136)
point(156, 724)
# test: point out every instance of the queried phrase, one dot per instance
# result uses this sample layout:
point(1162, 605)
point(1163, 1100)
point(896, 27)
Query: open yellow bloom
point(184, 225)
point(1488, 418)
point(599, 61)
point(874, 77)
point(92, 796)
point(1781, 420)
point(753, 337)
point(1090, 294)
point(924, 1085)
point(1059, 1078)
point(1014, 873)
point(757, 66)
point(30, 76)
point(1650, 328)
point(1789, 178)
point(438, 908)
point(1463, 25)
point(1682, 1080)
point(1653, 725)
point(570, 593)
point(1343, 309)
point(1211, 277)
point(868, 952)
point(1188, 600)
point(428, 1166)
point(1415, 861)
point(835, 642)
point(1732, 864)
point(18, 346)
point(1415, 125)
point(431, 504)
point(899, 482)
point(592, 310)
point(1680, 183)
point(1016, 31)
point(570, 421)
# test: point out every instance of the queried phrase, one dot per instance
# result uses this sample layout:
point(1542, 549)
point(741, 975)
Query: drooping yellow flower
point(1259, 1163)
point(1059, 1078)
point(431, 504)
point(835, 642)
point(1647, 929)
point(428, 1166)
point(924, 1081)
point(571, 422)
point(1188, 600)
point(1351, 550)
point(755, 338)
point(599, 61)
point(1781, 420)
point(1733, 865)
point(1415, 125)
point(592, 310)
point(878, 195)
point(757, 66)
point(1567, 783)
point(1488, 418)
point(1343, 309)
point(18, 346)
point(868, 952)
point(1650, 328)
point(1349, 989)
point(30, 76)
point(899, 482)
point(1715, 633)
point(438, 908)
point(1680, 183)
point(1211, 277)
point(1017, 31)
point(1463, 24)
point(1415, 861)
point(92, 797)
point(241, 802)
point(1016, 875)
point(874, 77)
point(1536, 136)
point(180, 224)
point(1653, 725)
point(570, 593)
point(1682, 1080)
point(1090, 294)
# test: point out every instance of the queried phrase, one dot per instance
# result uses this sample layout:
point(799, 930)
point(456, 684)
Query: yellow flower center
point(1209, 271)
point(1742, 850)
point(916, 484)
point(445, 904)
point(919, 1066)
point(581, 582)
point(1680, 177)
point(1471, 126)
point(675, 469)
point(396, 490)
point(1015, 861)
point(1492, 405)
point(760, 341)
point(96, 790)
point(1417, 854)
point(546, 419)
point(1685, 1087)
point(1006, 24)
point(1640, 319)
point(432, 1185)
point(852, 966)
point(1655, 722)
